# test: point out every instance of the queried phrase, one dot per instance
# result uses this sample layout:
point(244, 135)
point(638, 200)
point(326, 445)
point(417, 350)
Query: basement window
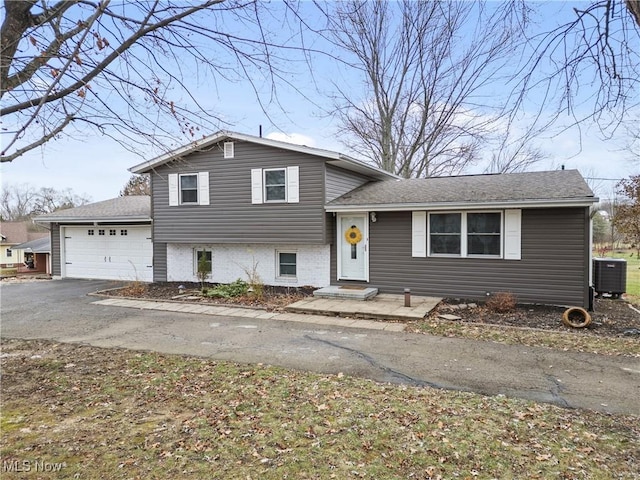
point(287, 264)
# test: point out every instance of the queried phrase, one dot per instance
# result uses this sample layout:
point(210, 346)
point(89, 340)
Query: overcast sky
point(97, 166)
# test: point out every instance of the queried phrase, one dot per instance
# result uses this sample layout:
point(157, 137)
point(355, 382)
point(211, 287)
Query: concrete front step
point(382, 307)
point(347, 293)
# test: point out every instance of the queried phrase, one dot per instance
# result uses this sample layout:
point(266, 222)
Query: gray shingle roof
point(561, 186)
point(39, 245)
point(128, 208)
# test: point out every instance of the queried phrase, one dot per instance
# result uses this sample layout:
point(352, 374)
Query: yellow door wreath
point(353, 235)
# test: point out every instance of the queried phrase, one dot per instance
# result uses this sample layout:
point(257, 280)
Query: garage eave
point(93, 220)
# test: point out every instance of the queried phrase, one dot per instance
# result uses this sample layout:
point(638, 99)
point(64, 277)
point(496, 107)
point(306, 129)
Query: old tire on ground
point(576, 317)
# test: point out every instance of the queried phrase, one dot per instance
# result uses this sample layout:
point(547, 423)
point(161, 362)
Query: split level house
point(301, 216)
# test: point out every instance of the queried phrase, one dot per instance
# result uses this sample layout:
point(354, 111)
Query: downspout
point(592, 213)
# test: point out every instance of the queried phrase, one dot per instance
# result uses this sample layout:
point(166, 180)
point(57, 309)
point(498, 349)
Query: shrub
point(235, 289)
point(204, 270)
point(256, 287)
point(502, 302)
point(135, 289)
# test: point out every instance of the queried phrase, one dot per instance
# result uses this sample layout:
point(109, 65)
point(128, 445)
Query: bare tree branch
point(422, 113)
point(587, 68)
point(129, 69)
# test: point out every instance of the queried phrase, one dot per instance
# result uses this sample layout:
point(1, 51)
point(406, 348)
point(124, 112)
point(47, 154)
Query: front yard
point(92, 413)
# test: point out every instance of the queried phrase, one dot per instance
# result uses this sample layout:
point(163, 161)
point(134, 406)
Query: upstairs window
point(189, 188)
point(9, 252)
point(275, 185)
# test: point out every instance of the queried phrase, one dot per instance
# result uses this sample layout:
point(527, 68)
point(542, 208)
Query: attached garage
point(109, 240)
point(110, 252)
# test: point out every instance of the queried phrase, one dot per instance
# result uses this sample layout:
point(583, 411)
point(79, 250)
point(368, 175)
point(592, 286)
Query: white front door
point(353, 254)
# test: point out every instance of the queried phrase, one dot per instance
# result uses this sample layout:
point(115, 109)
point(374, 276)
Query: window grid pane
point(445, 232)
point(207, 254)
point(483, 237)
point(189, 188)
point(287, 264)
point(275, 185)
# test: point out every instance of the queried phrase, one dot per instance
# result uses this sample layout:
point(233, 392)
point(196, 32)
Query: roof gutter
point(93, 220)
point(398, 207)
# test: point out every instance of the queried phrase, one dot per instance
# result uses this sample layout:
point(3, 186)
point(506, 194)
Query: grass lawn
point(107, 413)
point(633, 271)
point(8, 272)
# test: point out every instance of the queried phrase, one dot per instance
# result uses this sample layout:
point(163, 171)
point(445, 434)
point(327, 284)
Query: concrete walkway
point(251, 313)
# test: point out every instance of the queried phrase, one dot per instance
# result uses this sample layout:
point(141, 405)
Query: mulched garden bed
point(611, 317)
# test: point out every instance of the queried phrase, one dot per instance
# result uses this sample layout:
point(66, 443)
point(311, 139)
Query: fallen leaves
point(154, 415)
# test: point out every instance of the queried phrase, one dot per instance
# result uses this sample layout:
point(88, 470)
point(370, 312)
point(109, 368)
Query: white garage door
point(108, 252)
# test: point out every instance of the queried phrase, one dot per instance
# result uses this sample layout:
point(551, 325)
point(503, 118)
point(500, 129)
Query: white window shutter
point(293, 184)
point(256, 185)
point(173, 190)
point(512, 234)
point(203, 188)
point(418, 234)
point(228, 150)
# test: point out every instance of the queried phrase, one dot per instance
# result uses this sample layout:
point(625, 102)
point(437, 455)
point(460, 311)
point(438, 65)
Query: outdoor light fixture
point(372, 215)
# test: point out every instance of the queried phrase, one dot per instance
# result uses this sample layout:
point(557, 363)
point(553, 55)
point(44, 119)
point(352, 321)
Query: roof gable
point(334, 158)
point(528, 188)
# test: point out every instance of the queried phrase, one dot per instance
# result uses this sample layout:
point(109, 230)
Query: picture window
point(465, 234)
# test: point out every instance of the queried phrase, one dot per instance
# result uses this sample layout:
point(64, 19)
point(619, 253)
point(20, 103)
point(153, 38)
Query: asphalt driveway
point(60, 310)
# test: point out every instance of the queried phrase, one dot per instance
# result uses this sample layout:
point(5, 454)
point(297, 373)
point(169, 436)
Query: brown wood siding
point(159, 262)
point(56, 269)
point(553, 269)
point(231, 217)
point(340, 181)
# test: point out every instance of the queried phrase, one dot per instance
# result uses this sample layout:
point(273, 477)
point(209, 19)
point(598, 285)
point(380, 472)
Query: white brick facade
point(231, 262)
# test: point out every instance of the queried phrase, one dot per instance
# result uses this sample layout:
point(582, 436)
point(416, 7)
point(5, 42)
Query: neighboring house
point(12, 234)
point(103, 240)
point(299, 216)
point(305, 216)
point(37, 254)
